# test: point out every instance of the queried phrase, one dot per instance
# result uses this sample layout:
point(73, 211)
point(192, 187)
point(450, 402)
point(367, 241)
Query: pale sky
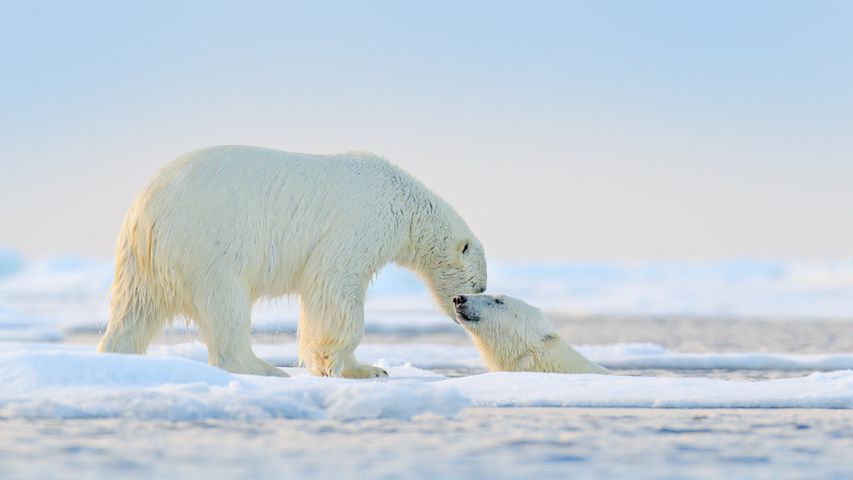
point(564, 130)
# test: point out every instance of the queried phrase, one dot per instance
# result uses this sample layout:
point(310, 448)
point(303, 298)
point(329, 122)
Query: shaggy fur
point(513, 336)
point(219, 228)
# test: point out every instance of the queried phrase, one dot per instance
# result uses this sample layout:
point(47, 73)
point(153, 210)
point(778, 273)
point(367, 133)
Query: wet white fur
point(513, 336)
point(219, 228)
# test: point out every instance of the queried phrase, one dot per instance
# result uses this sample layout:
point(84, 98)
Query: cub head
point(507, 331)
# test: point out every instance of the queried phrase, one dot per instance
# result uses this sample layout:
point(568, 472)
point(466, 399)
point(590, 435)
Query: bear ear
point(550, 337)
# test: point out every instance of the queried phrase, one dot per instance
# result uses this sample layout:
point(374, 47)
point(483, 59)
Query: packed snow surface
point(70, 381)
point(74, 384)
point(613, 356)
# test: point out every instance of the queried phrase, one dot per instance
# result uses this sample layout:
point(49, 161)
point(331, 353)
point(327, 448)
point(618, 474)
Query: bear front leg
point(330, 329)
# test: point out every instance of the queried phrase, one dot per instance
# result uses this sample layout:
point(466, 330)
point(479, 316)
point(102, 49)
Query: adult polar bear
point(219, 228)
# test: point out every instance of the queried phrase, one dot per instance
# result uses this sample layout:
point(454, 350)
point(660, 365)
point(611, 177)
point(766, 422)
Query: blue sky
point(567, 130)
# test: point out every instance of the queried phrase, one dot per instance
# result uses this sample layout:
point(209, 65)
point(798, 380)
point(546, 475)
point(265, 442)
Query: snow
point(421, 355)
point(428, 356)
point(818, 390)
point(70, 381)
point(651, 356)
point(613, 356)
point(74, 384)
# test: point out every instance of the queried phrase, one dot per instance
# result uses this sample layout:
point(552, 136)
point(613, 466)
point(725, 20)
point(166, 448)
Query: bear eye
point(499, 301)
point(465, 248)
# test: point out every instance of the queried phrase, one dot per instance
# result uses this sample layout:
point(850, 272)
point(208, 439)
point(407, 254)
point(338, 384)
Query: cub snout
point(464, 312)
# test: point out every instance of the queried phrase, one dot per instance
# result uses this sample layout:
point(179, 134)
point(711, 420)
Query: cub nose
point(459, 300)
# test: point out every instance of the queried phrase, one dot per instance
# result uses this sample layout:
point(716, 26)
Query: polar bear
point(513, 336)
point(219, 228)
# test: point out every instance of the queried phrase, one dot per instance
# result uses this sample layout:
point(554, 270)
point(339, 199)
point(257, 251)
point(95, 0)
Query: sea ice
point(68, 381)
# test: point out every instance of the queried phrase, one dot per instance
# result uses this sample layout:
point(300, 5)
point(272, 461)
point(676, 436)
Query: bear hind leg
point(135, 319)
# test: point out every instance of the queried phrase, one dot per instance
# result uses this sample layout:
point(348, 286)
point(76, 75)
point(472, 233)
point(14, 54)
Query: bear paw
point(364, 371)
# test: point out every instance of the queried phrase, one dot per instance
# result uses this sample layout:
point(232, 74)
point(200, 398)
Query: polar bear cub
point(513, 336)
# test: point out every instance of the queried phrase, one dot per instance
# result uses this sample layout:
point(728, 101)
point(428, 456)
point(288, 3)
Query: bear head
point(510, 334)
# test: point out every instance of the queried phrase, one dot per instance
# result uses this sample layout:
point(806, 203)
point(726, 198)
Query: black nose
point(459, 300)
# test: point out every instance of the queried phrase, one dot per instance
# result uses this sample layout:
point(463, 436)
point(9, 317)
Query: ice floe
point(74, 384)
point(70, 381)
point(818, 390)
point(615, 356)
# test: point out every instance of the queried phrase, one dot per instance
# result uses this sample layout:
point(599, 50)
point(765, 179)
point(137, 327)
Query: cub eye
point(499, 301)
point(465, 248)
